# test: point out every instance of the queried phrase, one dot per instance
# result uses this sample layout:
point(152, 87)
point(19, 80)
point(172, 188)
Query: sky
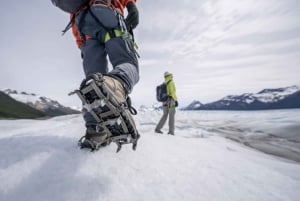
point(213, 48)
point(40, 160)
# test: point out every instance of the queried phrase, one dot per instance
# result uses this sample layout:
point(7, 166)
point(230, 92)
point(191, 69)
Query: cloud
point(213, 47)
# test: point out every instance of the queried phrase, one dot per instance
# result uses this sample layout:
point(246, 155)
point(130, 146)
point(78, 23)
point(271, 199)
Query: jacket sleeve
point(171, 90)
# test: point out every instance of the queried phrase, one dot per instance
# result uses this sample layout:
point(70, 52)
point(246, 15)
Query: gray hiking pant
point(94, 51)
point(167, 112)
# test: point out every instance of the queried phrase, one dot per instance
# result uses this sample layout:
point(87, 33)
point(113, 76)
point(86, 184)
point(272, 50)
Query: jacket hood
point(168, 78)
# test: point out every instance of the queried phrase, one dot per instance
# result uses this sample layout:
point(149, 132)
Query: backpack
point(161, 92)
point(69, 6)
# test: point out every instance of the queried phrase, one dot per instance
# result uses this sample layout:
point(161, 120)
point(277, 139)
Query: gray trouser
point(167, 112)
point(94, 51)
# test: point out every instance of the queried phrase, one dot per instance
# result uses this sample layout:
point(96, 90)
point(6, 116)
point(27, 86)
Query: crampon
point(112, 113)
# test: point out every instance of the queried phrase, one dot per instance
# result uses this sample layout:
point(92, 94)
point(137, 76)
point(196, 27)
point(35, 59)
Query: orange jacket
point(120, 4)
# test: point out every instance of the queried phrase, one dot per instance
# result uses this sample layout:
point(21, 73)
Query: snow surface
point(40, 161)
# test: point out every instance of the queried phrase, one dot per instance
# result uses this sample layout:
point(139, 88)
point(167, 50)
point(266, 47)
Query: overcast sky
point(213, 48)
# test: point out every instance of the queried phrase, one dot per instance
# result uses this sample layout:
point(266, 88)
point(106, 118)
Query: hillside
point(45, 105)
point(10, 108)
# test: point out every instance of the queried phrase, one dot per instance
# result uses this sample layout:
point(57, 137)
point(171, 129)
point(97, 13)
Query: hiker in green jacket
point(168, 106)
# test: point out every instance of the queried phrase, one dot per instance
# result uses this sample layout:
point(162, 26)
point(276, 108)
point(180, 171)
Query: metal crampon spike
point(119, 146)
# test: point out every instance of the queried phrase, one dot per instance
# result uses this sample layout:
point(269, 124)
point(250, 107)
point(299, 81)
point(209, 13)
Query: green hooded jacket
point(171, 89)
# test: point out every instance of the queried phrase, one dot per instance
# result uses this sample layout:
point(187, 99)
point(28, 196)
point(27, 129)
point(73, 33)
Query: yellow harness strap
point(113, 34)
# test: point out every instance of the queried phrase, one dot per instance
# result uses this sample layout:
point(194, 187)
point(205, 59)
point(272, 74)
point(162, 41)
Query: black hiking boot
point(171, 133)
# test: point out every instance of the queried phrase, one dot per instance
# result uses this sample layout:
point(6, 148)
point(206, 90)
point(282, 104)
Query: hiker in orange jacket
point(102, 31)
point(99, 32)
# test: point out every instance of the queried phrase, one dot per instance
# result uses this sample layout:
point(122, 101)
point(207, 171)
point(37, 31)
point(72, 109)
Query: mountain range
point(278, 98)
point(14, 104)
point(36, 106)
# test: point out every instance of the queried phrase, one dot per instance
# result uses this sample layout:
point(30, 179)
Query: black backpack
point(161, 92)
point(69, 6)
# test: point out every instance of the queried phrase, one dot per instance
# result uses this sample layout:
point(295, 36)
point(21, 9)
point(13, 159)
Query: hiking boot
point(119, 93)
point(170, 133)
point(92, 133)
point(124, 110)
point(94, 138)
point(158, 131)
point(106, 99)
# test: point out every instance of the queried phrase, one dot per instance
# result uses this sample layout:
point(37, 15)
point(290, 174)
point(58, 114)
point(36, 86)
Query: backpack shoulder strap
point(73, 16)
point(69, 25)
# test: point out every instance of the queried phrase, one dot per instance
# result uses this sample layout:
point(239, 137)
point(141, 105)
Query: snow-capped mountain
point(41, 103)
point(194, 105)
point(279, 98)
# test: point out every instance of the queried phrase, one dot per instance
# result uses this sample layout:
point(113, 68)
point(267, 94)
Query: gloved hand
point(132, 19)
point(176, 103)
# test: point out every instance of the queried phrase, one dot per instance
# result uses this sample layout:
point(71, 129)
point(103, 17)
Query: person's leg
point(114, 86)
point(124, 62)
point(172, 112)
point(163, 119)
point(96, 23)
point(94, 60)
point(121, 80)
point(94, 57)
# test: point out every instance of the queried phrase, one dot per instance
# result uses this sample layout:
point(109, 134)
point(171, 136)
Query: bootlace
point(131, 109)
